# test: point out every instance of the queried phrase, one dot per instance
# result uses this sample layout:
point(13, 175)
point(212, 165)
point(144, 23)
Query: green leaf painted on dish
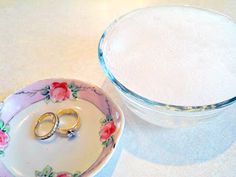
point(112, 138)
point(45, 92)
point(47, 98)
point(106, 143)
point(103, 121)
point(109, 117)
point(74, 94)
point(38, 173)
point(74, 89)
point(47, 170)
point(77, 174)
point(6, 128)
point(1, 124)
point(70, 85)
point(51, 175)
point(1, 153)
point(47, 87)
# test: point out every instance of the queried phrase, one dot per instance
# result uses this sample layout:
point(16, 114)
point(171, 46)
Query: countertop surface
point(59, 39)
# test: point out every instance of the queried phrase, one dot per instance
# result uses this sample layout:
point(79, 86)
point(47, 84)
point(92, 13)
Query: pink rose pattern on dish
point(107, 130)
point(4, 137)
point(48, 172)
point(63, 175)
point(60, 91)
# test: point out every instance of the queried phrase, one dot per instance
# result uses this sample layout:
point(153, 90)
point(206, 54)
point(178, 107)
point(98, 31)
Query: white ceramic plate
point(22, 155)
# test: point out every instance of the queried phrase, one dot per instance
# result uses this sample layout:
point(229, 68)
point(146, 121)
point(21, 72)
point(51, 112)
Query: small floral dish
point(22, 155)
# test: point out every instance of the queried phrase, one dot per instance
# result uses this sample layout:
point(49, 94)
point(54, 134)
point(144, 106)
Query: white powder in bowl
point(174, 55)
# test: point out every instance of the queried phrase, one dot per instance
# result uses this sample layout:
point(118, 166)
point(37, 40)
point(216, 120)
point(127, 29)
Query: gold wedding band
point(71, 132)
point(51, 116)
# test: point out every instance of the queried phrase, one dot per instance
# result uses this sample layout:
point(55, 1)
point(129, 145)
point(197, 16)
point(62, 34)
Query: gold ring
point(71, 132)
point(54, 119)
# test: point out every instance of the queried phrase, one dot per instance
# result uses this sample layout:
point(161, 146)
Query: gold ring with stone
point(47, 116)
point(69, 132)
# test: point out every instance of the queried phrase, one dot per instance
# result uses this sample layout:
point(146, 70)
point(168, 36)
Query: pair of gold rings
point(56, 128)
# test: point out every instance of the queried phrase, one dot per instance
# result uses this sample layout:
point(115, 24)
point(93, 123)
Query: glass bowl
point(152, 110)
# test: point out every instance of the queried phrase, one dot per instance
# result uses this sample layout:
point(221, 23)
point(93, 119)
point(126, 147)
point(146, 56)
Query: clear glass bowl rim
point(148, 101)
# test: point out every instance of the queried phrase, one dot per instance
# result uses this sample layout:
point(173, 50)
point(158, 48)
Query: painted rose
point(63, 175)
point(59, 91)
point(3, 139)
point(107, 130)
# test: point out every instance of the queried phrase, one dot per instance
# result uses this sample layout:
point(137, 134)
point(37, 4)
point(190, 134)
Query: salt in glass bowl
point(155, 111)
